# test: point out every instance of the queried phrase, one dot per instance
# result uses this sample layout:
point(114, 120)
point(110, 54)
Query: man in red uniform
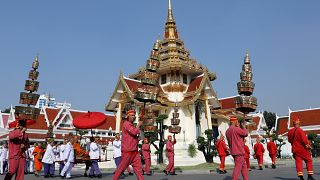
point(223, 152)
point(170, 154)
point(300, 149)
point(235, 136)
point(146, 156)
point(247, 155)
point(272, 148)
point(129, 147)
point(18, 143)
point(258, 152)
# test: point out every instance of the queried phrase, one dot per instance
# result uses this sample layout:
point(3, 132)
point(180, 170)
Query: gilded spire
point(170, 29)
point(170, 16)
point(247, 58)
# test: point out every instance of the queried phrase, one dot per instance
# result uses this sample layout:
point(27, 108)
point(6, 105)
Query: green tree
point(279, 141)
point(7, 110)
point(206, 146)
point(270, 118)
point(80, 132)
point(158, 135)
point(315, 144)
point(192, 151)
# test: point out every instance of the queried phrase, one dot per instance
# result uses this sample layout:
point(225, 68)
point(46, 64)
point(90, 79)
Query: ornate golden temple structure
point(175, 84)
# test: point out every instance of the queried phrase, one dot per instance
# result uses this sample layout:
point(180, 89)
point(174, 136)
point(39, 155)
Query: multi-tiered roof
point(187, 76)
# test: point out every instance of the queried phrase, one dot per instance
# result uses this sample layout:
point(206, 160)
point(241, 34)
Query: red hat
point(233, 119)
point(295, 119)
point(131, 112)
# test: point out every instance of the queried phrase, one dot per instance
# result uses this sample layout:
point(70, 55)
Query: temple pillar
point(118, 117)
point(208, 114)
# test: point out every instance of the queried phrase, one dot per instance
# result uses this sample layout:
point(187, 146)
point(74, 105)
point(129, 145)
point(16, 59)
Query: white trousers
point(31, 166)
point(1, 166)
point(66, 171)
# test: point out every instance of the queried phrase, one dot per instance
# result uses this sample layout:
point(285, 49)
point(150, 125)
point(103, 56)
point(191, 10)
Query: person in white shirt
point(49, 159)
point(87, 162)
point(26, 166)
point(94, 154)
point(31, 159)
point(68, 157)
point(3, 158)
point(61, 149)
point(117, 152)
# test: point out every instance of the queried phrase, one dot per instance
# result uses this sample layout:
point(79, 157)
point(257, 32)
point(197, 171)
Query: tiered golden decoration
point(147, 91)
point(29, 98)
point(175, 121)
point(148, 120)
point(245, 102)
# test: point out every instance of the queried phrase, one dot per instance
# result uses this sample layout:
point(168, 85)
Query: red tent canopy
point(89, 120)
point(14, 123)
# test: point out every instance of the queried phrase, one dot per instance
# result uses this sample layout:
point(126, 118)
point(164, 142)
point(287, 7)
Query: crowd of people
point(240, 152)
point(20, 157)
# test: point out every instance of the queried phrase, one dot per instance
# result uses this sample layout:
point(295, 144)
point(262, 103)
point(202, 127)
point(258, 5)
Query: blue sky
point(82, 46)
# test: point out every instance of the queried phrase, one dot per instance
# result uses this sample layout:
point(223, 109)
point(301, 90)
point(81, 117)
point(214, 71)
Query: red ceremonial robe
point(17, 156)
point(258, 151)
point(247, 156)
point(147, 157)
point(129, 149)
point(222, 151)
point(235, 136)
point(300, 144)
point(170, 155)
point(272, 148)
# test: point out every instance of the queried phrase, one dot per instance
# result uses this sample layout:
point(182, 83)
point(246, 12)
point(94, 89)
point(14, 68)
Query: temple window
point(177, 76)
point(185, 79)
point(163, 78)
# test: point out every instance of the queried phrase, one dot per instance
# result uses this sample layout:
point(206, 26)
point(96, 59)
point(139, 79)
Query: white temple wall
point(187, 123)
point(203, 123)
point(223, 125)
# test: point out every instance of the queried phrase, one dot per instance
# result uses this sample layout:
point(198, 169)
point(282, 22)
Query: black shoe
point(85, 175)
point(300, 177)
point(173, 174)
point(130, 174)
point(164, 171)
point(260, 168)
point(310, 177)
point(221, 172)
point(149, 174)
point(52, 176)
point(122, 176)
point(99, 176)
point(91, 176)
point(225, 171)
point(62, 177)
point(46, 176)
point(273, 166)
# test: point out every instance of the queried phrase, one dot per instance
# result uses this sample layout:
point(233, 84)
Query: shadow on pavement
point(285, 178)
point(227, 178)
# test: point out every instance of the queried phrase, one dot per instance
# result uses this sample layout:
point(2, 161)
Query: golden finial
point(247, 58)
point(170, 16)
point(35, 63)
point(156, 45)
